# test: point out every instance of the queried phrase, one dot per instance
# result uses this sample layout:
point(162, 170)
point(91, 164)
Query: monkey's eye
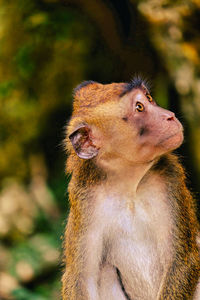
point(149, 98)
point(139, 107)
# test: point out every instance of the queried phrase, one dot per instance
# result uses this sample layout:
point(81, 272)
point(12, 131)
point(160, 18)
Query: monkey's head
point(120, 123)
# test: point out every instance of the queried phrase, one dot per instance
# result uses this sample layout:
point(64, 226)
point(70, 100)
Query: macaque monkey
point(132, 228)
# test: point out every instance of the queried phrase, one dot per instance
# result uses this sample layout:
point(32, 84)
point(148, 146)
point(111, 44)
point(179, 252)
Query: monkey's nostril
point(170, 118)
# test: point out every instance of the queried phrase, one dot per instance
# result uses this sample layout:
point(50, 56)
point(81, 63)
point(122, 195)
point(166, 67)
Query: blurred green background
point(47, 47)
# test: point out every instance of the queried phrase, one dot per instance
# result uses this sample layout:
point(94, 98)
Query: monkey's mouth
point(173, 139)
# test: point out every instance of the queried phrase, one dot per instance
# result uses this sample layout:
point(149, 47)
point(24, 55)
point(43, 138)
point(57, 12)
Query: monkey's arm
point(183, 273)
point(83, 255)
point(181, 278)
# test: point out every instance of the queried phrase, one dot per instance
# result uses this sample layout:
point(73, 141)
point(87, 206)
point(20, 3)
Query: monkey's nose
point(169, 116)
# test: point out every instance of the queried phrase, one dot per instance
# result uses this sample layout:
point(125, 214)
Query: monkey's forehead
point(91, 93)
point(137, 82)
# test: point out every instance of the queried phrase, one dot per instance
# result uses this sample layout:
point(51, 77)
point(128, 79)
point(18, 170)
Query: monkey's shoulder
point(169, 165)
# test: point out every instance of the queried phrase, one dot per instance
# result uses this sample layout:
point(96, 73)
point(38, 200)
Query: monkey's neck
point(124, 179)
point(128, 179)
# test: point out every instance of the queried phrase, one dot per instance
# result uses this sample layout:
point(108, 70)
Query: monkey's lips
point(172, 141)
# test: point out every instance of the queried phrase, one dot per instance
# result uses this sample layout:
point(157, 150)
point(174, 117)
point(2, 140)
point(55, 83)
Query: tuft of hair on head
point(137, 82)
point(82, 84)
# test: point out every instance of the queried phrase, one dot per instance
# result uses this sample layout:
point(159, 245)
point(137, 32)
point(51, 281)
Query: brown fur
point(92, 102)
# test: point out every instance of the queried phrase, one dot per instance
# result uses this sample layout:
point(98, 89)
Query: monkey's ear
point(82, 142)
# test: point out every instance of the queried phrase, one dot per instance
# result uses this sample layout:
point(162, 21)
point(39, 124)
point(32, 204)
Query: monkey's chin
point(172, 142)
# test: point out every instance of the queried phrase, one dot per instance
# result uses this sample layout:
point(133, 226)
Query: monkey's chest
point(140, 248)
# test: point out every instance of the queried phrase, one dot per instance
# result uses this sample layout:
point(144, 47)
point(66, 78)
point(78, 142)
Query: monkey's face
point(127, 128)
point(135, 129)
point(153, 130)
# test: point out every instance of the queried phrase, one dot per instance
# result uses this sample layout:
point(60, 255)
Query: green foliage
point(24, 61)
point(43, 55)
point(24, 294)
point(6, 88)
